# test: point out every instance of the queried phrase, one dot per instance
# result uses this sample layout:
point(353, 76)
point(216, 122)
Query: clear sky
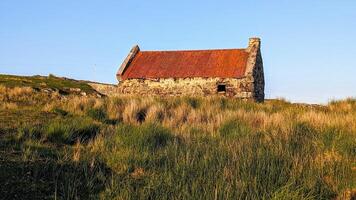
point(308, 47)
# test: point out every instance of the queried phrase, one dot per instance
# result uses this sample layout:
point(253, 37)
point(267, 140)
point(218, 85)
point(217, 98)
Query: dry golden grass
point(155, 113)
point(131, 111)
point(15, 93)
point(209, 116)
point(8, 105)
point(214, 145)
point(180, 114)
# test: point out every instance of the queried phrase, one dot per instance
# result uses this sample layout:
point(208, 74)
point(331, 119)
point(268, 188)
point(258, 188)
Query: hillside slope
point(55, 146)
point(49, 83)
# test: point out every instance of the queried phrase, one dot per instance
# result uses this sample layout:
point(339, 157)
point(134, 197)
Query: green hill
point(55, 146)
point(47, 83)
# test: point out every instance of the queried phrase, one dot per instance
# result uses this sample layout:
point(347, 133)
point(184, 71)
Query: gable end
point(135, 49)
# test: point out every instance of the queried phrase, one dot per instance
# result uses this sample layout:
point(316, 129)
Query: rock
point(47, 90)
point(75, 89)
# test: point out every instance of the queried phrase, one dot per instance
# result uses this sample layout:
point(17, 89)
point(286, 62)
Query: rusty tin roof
point(223, 63)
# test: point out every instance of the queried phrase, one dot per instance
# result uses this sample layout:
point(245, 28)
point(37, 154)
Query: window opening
point(221, 88)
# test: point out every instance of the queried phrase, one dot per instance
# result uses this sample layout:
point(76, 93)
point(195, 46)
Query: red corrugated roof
point(224, 63)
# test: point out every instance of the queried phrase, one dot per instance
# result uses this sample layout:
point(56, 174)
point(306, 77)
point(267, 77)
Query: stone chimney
point(254, 43)
point(254, 69)
point(254, 50)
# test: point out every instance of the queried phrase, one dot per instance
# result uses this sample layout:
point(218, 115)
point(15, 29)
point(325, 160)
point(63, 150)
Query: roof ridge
point(193, 50)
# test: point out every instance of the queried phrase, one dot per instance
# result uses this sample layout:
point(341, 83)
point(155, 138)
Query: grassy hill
point(55, 146)
point(47, 83)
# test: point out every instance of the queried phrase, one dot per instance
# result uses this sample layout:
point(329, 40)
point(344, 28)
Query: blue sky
point(308, 47)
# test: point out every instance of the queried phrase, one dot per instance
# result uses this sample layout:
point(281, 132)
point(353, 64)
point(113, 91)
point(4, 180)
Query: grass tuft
point(60, 112)
point(97, 113)
point(234, 128)
point(70, 131)
point(146, 136)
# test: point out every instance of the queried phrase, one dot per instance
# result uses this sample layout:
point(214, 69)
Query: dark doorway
point(221, 88)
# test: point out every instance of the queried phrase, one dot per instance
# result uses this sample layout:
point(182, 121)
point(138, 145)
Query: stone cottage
point(229, 72)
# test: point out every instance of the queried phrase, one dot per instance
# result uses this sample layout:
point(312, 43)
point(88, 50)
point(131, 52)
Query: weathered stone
point(74, 89)
point(187, 86)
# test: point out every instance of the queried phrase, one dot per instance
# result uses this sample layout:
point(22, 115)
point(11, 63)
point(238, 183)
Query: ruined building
point(231, 72)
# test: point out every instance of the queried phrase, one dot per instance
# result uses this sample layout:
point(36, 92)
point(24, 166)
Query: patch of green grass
point(29, 132)
point(97, 114)
point(146, 136)
point(60, 112)
point(291, 193)
point(334, 138)
point(12, 120)
point(207, 169)
point(234, 128)
point(50, 179)
point(301, 139)
point(71, 130)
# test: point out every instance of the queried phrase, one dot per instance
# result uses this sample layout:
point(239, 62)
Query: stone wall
point(254, 69)
point(259, 81)
point(240, 88)
point(106, 89)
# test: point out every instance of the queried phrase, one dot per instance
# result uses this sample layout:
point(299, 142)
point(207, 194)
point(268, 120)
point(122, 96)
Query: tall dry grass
point(196, 148)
